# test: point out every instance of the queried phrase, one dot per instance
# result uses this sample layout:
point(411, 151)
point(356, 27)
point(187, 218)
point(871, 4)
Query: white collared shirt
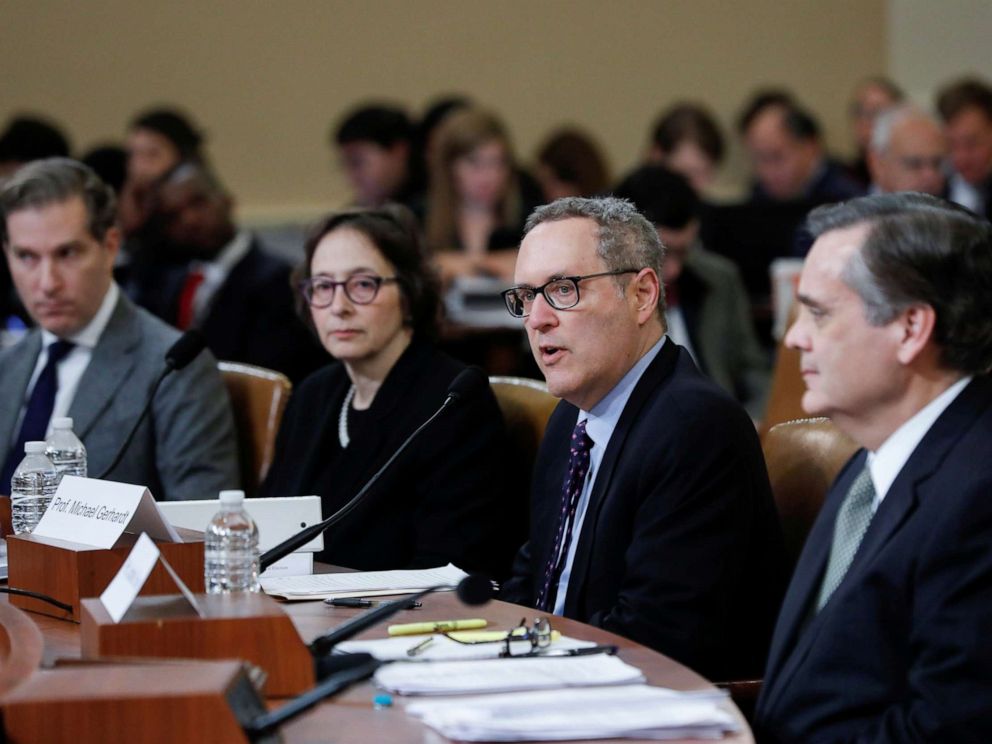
point(963, 193)
point(215, 272)
point(887, 461)
point(71, 368)
point(600, 424)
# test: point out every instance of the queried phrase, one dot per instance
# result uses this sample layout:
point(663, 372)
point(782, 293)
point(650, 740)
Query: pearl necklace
point(343, 418)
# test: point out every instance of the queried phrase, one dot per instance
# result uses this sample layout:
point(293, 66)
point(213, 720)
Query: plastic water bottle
point(231, 549)
point(64, 449)
point(32, 487)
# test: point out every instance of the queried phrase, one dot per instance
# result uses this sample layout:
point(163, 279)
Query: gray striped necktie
point(852, 522)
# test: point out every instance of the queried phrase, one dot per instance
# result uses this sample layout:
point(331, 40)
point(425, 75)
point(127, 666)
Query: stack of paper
point(506, 675)
point(442, 648)
point(631, 711)
point(361, 583)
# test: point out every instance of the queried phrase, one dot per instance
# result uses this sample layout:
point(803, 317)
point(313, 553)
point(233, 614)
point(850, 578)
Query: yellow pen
point(441, 626)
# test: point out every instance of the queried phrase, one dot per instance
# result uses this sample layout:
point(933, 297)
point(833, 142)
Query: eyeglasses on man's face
point(360, 289)
point(561, 293)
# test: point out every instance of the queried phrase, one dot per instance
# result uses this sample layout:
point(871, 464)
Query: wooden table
point(350, 718)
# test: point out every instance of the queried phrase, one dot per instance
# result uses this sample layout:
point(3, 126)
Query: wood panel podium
point(351, 719)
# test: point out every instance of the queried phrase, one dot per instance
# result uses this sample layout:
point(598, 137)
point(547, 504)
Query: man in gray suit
point(94, 355)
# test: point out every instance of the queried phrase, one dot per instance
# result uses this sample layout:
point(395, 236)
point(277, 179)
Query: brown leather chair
point(526, 405)
point(258, 399)
point(803, 458)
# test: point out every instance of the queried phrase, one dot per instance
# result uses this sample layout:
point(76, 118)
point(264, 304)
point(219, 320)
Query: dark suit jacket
point(902, 651)
point(442, 500)
point(680, 548)
point(252, 319)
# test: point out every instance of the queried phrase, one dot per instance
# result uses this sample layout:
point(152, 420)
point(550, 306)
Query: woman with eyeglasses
point(368, 291)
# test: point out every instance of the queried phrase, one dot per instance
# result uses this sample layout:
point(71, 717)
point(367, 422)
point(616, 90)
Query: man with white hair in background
point(907, 153)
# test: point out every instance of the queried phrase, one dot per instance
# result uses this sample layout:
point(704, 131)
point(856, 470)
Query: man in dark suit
point(239, 295)
point(884, 632)
point(651, 511)
point(94, 356)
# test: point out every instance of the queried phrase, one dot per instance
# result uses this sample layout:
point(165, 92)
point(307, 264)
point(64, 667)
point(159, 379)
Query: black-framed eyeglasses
point(361, 289)
point(561, 293)
point(523, 640)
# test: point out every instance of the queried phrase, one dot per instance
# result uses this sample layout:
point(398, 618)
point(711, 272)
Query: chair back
point(258, 399)
point(803, 458)
point(526, 406)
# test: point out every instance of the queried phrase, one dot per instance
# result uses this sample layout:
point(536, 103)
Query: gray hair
point(892, 117)
point(626, 239)
point(55, 180)
point(921, 250)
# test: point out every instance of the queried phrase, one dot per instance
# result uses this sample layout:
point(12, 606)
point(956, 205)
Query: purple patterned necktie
point(578, 468)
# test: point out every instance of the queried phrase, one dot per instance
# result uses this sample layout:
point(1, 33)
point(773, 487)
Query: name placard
point(97, 512)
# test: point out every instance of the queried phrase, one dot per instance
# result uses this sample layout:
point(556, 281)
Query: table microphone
point(474, 589)
point(181, 353)
point(468, 384)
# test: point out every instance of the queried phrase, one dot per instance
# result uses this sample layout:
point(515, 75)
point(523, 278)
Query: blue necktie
point(578, 467)
point(38, 411)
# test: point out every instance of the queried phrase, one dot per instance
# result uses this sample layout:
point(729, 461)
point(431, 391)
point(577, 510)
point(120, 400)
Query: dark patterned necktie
point(578, 468)
point(38, 411)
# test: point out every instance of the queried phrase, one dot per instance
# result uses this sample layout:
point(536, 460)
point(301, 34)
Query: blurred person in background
point(687, 139)
point(788, 159)
point(966, 108)
point(871, 97)
point(571, 163)
point(27, 138)
point(374, 144)
point(908, 152)
point(707, 308)
point(478, 198)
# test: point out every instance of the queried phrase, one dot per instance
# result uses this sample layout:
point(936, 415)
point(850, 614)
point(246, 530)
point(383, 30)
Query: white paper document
point(506, 675)
point(362, 583)
point(630, 711)
point(442, 648)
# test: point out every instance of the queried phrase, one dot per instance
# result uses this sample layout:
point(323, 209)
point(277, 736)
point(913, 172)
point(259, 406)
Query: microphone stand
point(302, 537)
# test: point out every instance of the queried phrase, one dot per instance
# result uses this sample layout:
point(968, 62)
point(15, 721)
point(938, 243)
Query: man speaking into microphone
point(94, 356)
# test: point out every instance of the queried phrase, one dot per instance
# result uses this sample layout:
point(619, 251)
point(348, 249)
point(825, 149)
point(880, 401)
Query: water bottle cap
point(62, 423)
point(232, 497)
point(34, 448)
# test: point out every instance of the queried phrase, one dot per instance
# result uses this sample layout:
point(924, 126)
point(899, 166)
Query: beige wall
point(267, 78)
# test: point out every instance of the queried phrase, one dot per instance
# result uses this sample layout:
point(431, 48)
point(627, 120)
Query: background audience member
point(571, 163)
point(95, 355)
point(229, 287)
point(157, 141)
point(478, 198)
point(908, 152)
point(871, 97)
point(787, 156)
point(706, 305)
point(966, 108)
point(373, 301)
point(109, 162)
point(687, 140)
point(375, 146)
point(434, 115)
point(27, 138)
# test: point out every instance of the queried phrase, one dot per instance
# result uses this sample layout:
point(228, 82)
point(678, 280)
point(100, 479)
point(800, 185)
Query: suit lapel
point(899, 503)
point(659, 369)
point(16, 379)
point(112, 361)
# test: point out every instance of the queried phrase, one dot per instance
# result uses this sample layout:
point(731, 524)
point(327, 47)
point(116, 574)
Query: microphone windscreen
point(186, 349)
point(468, 384)
point(475, 589)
